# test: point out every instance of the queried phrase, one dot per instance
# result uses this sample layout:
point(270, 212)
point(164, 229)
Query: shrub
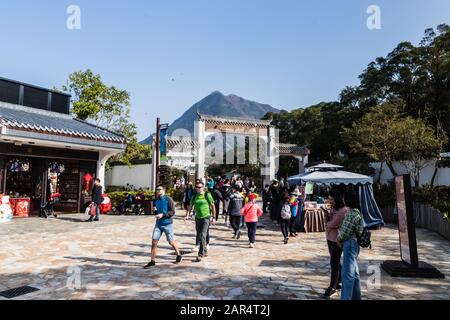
point(118, 196)
point(437, 197)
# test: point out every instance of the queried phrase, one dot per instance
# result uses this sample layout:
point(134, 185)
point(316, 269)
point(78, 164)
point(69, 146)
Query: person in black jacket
point(97, 199)
point(234, 211)
point(217, 196)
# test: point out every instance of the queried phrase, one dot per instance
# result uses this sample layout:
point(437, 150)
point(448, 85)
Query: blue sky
point(287, 53)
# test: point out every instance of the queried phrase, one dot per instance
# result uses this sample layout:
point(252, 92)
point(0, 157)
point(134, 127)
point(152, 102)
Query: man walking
point(204, 209)
point(97, 199)
point(165, 210)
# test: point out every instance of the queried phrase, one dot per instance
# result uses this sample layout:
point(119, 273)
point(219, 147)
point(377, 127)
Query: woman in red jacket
point(251, 212)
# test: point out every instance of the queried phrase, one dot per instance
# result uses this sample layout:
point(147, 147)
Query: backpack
point(206, 198)
point(364, 239)
point(286, 212)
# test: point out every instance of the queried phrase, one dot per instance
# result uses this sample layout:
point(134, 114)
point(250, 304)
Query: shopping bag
point(93, 209)
point(88, 211)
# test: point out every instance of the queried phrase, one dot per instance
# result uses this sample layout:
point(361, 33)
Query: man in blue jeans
point(165, 209)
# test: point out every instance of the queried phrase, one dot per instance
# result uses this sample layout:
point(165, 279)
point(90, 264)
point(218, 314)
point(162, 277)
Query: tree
point(420, 145)
point(106, 107)
point(377, 135)
point(387, 136)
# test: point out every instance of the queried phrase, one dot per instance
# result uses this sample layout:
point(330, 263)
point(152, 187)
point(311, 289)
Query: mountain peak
point(217, 104)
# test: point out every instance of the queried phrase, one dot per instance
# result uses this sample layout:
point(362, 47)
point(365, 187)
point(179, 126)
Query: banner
point(163, 144)
point(309, 189)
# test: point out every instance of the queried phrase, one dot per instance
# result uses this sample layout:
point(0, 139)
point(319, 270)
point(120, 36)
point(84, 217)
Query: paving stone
point(112, 253)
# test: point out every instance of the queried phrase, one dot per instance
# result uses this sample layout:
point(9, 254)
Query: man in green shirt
point(203, 203)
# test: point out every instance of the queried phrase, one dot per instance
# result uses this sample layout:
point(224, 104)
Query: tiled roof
point(292, 149)
point(39, 121)
point(184, 142)
point(233, 120)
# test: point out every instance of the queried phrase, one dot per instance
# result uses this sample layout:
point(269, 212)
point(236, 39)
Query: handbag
point(93, 209)
point(364, 239)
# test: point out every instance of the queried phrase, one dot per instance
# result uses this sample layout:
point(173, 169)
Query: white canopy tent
point(330, 177)
point(328, 174)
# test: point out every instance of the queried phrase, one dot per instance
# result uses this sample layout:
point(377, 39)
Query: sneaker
point(286, 241)
point(199, 259)
point(238, 235)
point(96, 220)
point(251, 245)
point(196, 248)
point(150, 264)
point(179, 259)
point(88, 220)
point(234, 236)
point(329, 292)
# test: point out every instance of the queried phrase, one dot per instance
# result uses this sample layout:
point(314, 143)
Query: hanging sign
point(163, 144)
point(309, 188)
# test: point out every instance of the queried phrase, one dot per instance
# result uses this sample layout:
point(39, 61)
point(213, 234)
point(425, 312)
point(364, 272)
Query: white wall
point(442, 177)
point(139, 176)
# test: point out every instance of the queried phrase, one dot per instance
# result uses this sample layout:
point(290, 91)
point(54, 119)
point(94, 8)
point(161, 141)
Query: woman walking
point(251, 213)
point(351, 230)
point(334, 219)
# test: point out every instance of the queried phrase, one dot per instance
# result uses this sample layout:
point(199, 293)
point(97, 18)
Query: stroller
point(47, 208)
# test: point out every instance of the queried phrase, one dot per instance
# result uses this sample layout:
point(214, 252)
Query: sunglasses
point(159, 189)
point(199, 187)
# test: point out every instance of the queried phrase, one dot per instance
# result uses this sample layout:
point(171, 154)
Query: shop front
point(29, 176)
point(45, 151)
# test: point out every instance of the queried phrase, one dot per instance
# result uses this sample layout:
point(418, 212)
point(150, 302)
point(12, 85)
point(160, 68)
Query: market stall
point(332, 175)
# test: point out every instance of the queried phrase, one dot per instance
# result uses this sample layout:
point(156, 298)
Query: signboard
point(163, 145)
point(406, 226)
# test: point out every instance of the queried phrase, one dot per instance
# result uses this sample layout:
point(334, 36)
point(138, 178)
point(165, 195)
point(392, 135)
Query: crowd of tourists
point(238, 199)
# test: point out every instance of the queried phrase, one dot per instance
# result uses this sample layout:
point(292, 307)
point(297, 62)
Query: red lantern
point(87, 178)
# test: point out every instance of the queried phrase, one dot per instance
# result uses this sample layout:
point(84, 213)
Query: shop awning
point(27, 122)
point(369, 209)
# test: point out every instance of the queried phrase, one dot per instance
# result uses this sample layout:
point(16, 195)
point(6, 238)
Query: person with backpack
point(235, 206)
point(251, 213)
point(334, 219)
point(285, 216)
point(203, 203)
point(165, 210)
point(351, 229)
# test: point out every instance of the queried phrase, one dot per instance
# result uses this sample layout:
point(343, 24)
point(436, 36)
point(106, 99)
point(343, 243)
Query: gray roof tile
point(54, 123)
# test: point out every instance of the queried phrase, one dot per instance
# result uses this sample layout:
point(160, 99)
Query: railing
point(425, 217)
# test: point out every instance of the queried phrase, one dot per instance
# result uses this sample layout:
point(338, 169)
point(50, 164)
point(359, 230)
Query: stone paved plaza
point(110, 256)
